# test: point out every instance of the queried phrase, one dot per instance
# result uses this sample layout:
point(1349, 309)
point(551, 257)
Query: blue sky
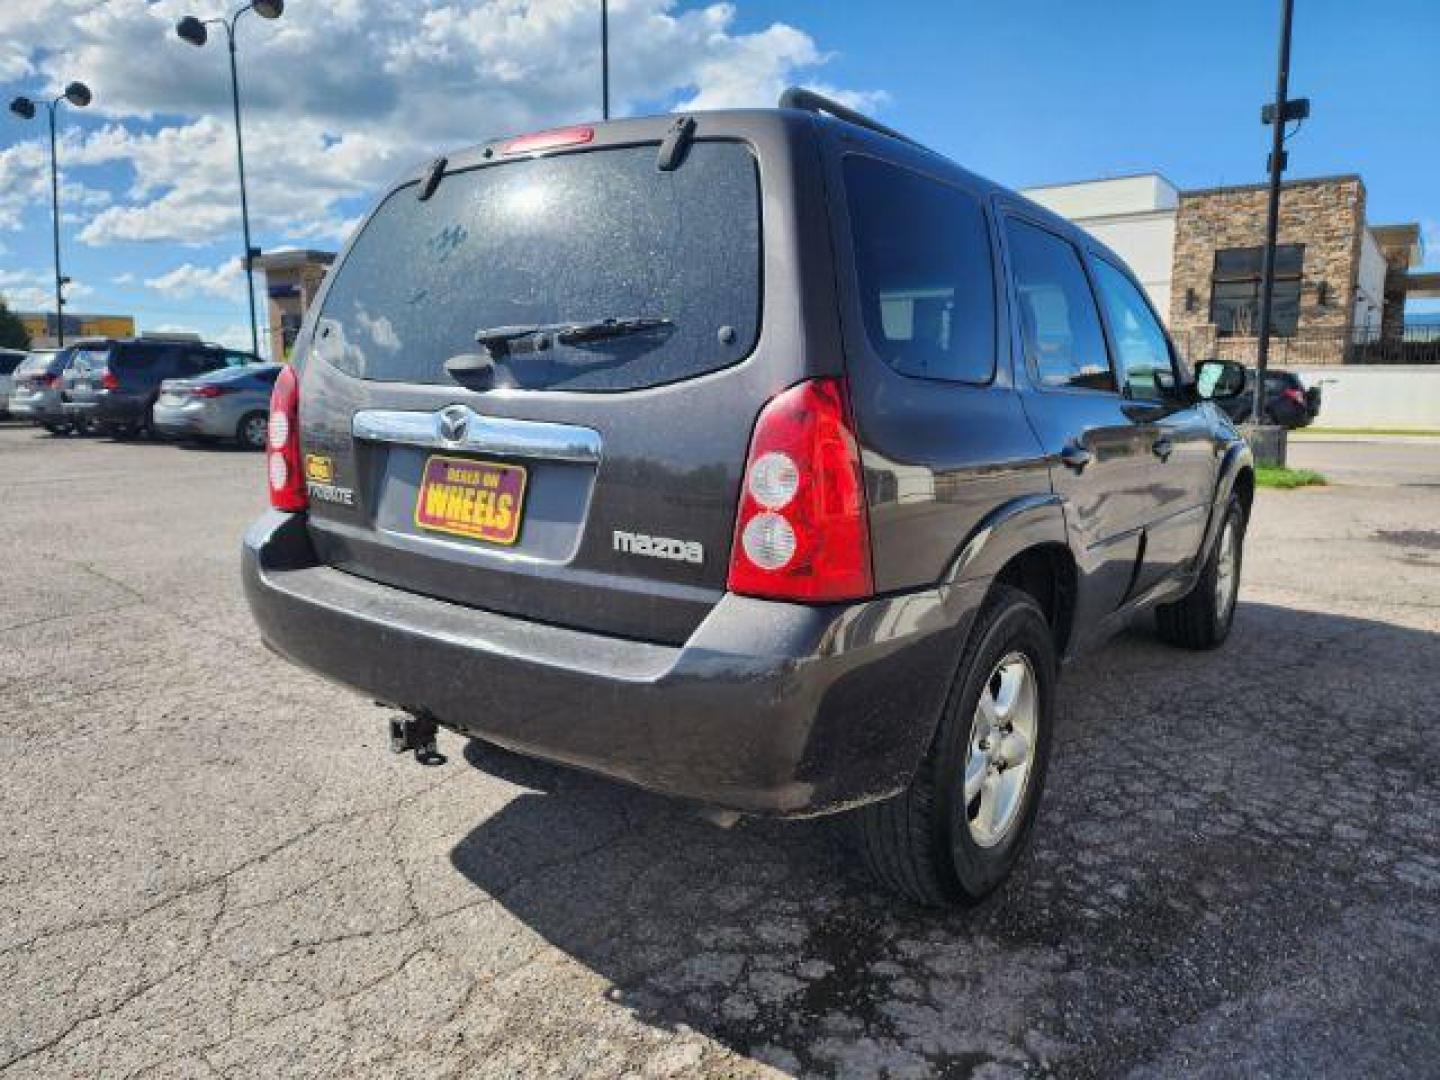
point(346, 93)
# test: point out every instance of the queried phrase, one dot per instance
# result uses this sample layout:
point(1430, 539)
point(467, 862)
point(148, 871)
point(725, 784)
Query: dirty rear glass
point(567, 238)
point(86, 360)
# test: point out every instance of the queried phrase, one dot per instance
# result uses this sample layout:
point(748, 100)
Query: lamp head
point(78, 94)
point(23, 107)
point(268, 9)
point(192, 30)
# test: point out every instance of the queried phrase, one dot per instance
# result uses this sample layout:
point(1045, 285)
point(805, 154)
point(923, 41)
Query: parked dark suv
point(761, 458)
point(112, 384)
point(1288, 401)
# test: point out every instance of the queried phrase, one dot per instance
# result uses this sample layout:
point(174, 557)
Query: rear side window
point(199, 361)
point(1059, 325)
point(9, 362)
point(922, 263)
point(135, 358)
point(553, 240)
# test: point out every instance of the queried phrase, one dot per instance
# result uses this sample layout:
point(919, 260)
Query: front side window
point(1059, 325)
point(922, 263)
point(1235, 290)
point(1141, 350)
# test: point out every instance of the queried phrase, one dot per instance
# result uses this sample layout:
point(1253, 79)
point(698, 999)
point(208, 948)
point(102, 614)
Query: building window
point(1235, 290)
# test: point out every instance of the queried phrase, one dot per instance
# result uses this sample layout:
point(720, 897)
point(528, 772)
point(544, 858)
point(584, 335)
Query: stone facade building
point(292, 279)
point(1338, 280)
point(1317, 274)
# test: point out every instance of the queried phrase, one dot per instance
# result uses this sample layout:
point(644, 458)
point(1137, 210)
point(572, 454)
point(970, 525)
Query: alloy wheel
point(1226, 561)
point(1001, 750)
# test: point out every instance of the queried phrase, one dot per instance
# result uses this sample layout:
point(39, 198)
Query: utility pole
point(605, 59)
point(1277, 116)
point(244, 200)
point(192, 31)
point(78, 95)
point(55, 233)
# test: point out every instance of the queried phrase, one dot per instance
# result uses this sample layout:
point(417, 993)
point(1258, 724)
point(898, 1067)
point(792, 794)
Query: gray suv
point(765, 459)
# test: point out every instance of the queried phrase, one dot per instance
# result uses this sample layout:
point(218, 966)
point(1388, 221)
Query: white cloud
point(25, 184)
point(340, 96)
point(34, 290)
point(188, 281)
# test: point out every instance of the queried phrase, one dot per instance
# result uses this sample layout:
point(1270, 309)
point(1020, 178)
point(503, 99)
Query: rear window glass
point(922, 260)
point(44, 363)
point(85, 360)
point(554, 240)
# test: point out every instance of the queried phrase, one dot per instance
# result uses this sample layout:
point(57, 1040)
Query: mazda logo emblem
point(453, 422)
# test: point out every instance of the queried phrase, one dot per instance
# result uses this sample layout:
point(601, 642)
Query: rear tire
point(1202, 620)
point(251, 432)
point(936, 842)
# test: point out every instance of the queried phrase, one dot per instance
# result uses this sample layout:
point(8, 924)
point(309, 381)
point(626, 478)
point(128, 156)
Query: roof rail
point(797, 97)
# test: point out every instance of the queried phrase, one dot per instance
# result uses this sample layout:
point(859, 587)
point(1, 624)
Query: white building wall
point(1370, 284)
point(1377, 397)
point(1134, 216)
point(1147, 244)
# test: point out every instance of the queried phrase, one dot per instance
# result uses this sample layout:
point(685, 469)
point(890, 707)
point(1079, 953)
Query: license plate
point(82, 386)
point(479, 500)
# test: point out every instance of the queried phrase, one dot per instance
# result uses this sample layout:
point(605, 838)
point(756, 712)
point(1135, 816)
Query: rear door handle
point(1075, 456)
point(1163, 447)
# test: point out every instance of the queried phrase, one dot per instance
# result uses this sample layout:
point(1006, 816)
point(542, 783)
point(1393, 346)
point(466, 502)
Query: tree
point(13, 334)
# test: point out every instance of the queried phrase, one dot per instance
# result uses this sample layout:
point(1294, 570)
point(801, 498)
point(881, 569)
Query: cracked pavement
point(212, 865)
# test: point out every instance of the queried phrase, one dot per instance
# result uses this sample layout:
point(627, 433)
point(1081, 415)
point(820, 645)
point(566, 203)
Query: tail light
point(282, 445)
point(803, 531)
point(1292, 394)
point(108, 381)
point(54, 382)
point(209, 390)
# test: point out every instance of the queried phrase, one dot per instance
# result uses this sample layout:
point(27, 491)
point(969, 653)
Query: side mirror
point(1219, 379)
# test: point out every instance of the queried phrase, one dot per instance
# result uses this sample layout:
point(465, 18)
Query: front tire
point(955, 833)
point(1202, 620)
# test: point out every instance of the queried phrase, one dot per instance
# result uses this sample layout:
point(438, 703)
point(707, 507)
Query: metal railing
point(1415, 344)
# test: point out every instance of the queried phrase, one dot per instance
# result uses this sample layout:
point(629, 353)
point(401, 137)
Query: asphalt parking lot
point(211, 865)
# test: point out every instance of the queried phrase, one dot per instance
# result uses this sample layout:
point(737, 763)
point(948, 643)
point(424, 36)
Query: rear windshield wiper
point(502, 341)
point(600, 329)
point(499, 340)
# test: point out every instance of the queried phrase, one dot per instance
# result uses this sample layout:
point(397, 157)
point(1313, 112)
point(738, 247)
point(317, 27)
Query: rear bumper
point(768, 708)
point(41, 408)
point(181, 421)
point(108, 408)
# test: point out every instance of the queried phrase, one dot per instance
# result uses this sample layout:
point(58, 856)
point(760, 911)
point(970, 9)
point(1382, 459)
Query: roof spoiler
point(797, 97)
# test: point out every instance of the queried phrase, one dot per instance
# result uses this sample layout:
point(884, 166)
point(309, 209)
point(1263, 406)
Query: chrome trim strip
point(482, 434)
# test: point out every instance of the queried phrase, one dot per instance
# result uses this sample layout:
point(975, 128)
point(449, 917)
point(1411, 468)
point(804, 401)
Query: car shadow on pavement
point(1197, 889)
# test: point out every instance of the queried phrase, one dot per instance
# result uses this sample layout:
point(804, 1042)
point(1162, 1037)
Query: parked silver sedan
point(232, 403)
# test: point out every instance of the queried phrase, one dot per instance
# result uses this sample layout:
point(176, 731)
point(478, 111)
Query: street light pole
point(1282, 112)
point(78, 95)
point(605, 59)
point(193, 30)
point(55, 235)
point(244, 200)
